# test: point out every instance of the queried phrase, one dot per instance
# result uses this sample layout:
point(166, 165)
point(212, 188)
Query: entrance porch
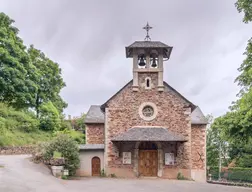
point(150, 152)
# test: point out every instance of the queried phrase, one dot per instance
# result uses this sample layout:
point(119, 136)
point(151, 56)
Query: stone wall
point(198, 146)
point(122, 114)
point(95, 133)
point(16, 150)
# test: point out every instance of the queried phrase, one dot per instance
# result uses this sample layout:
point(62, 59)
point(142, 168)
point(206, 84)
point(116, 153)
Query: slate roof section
point(149, 44)
point(91, 147)
point(197, 117)
point(95, 115)
point(148, 134)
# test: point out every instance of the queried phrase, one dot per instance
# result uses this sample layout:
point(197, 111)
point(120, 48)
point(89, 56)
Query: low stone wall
point(16, 150)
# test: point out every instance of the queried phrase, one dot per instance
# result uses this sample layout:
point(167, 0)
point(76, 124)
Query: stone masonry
point(122, 114)
point(94, 133)
point(198, 146)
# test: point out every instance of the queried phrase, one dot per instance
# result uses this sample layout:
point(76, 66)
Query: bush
point(180, 176)
point(232, 174)
point(64, 177)
point(68, 148)
point(103, 174)
point(49, 117)
point(240, 174)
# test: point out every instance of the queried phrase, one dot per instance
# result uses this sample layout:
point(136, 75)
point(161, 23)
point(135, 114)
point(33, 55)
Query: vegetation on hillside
point(31, 108)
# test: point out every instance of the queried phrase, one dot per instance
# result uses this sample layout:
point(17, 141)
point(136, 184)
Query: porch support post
point(160, 162)
point(136, 162)
point(136, 155)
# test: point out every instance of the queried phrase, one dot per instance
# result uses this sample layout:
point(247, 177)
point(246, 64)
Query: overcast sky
point(88, 39)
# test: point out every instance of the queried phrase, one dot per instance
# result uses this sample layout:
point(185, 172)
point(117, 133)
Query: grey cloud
point(87, 39)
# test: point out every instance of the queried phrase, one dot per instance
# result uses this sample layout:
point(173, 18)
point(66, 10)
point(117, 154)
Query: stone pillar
point(106, 141)
point(148, 61)
point(135, 73)
point(160, 162)
point(135, 168)
point(160, 73)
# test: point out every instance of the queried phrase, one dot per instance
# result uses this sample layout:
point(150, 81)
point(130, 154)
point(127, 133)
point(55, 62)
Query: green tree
point(48, 80)
point(16, 88)
point(245, 6)
point(50, 117)
point(216, 145)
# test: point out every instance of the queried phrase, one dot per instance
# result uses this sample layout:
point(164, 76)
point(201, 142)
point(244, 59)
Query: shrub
point(49, 117)
point(113, 175)
point(103, 174)
point(64, 177)
point(180, 176)
point(68, 148)
point(240, 174)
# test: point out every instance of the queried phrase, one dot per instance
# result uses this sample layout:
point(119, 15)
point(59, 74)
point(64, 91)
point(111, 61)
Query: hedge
point(240, 174)
point(237, 174)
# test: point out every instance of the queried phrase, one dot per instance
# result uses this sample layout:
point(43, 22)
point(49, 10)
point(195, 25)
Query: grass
point(19, 128)
point(19, 138)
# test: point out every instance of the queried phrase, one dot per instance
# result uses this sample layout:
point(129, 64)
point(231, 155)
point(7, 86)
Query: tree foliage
point(49, 118)
point(245, 6)
point(48, 80)
point(27, 77)
point(16, 88)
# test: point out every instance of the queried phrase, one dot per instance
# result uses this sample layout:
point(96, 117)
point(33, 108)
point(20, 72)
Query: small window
point(147, 83)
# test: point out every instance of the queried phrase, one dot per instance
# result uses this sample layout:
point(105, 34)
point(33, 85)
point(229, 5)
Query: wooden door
point(96, 166)
point(148, 163)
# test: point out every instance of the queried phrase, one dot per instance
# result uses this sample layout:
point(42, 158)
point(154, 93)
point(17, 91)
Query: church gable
point(126, 94)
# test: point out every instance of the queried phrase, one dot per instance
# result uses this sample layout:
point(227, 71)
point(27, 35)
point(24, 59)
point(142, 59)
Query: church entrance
point(148, 159)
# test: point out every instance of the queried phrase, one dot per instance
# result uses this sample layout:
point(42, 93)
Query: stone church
point(147, 128)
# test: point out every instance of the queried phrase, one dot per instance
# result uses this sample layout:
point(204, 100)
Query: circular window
point(148, 111)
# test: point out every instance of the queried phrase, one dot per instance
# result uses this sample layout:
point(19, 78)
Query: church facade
point(146, 129)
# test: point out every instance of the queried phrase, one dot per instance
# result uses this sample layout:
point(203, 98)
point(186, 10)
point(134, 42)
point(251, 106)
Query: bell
point(141, 62)
point(154, 62)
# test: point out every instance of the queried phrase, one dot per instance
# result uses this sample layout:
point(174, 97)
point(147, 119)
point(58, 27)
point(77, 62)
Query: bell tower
point(148, 57)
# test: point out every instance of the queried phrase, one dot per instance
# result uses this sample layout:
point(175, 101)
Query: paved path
point(21, 175)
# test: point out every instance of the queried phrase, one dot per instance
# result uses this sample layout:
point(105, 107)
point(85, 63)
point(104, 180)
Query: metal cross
point(147, 28)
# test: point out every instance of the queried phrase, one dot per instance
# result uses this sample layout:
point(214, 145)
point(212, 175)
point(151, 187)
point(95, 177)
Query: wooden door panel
point(96, 166)
point(148, 163)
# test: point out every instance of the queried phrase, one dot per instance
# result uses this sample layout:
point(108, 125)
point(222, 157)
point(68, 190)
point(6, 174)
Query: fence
point(235, 174)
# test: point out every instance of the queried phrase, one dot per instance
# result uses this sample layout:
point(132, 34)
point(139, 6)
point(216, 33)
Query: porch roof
point(148, 134)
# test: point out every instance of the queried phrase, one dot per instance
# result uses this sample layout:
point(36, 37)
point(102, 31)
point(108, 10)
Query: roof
point(91, 147)
point(94, 115)
point(197, 117)
point(148, 134)
point(166, 84)
point(149, 44)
